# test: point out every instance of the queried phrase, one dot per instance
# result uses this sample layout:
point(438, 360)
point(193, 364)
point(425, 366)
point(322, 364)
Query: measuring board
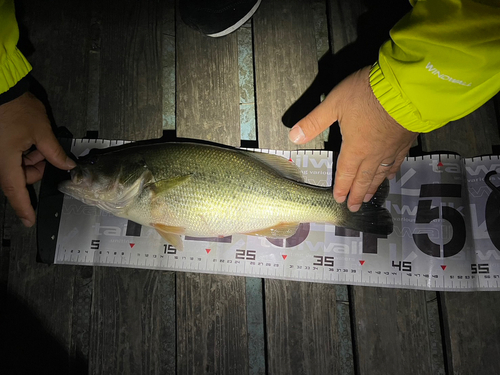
point(446, 233)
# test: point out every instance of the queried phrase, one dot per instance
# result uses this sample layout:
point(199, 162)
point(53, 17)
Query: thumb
point(318, 120)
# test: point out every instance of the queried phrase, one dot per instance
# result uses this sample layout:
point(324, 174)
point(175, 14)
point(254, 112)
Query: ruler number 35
point(323, 261)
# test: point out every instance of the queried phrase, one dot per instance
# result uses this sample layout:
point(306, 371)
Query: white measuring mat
point(446, 233)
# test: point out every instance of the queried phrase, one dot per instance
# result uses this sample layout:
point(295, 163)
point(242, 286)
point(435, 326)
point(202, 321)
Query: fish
point(204, 190)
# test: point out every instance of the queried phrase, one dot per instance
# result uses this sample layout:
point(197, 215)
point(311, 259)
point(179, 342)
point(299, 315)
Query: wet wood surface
point(109, 67)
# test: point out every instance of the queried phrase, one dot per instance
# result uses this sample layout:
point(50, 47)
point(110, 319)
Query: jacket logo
point(445, 77)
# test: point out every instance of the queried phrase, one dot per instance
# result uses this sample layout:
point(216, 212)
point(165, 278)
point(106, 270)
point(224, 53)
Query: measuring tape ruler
point(445, 234)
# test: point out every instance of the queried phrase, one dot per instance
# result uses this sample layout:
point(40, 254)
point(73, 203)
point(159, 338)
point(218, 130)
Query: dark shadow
point(24, 44)
point(373, 28)
point(25, 345)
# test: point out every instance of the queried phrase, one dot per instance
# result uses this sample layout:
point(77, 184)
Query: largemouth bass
point(209, 191)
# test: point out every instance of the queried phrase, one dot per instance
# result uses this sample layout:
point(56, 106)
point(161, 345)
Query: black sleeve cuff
point(15, 91)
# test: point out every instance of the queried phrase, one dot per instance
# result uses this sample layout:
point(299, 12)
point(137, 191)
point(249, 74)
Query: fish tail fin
point(372, 217)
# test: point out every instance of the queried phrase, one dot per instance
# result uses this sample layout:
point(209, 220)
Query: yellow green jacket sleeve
point(13, 65)
point(441, 63)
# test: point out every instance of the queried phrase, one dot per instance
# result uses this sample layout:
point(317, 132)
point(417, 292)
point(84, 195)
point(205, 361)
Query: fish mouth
point(79, 186)
point(109, 195)
point(77, 191)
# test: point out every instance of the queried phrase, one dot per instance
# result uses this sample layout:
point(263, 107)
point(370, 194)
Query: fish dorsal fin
point(282, 230)
point(161, 186)
point(280, 164)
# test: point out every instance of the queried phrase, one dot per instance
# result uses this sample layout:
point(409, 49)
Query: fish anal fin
point(282, 230)
point(170, 234)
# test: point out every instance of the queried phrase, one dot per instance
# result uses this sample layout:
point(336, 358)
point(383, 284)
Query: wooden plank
point(303, 334)
point(472, 329)
point(131, 70)
point(385, 321)
point(211, 324)
point(285, 65)
point(471, 323)
point(133, 329)
point(392, 332)
point(4, 245)
point(303, 320)
point(211, 321)
point(133, 311)
point(40, 297)
point(207, 86)
point(44, 296)
point(55, 41)
point(463, 137)
point(168, 51)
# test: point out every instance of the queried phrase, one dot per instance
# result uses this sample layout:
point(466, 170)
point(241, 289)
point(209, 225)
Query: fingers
point(370, 137)
point(23, 123)
point(34, 166)
point(33, 157)
point(360, 185)
point(49, 147)
point(318, 120)
point(13, 183)
point(34, 172)
point(347, 169)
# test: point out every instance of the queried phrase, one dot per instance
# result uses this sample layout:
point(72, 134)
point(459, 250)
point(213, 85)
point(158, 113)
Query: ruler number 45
point(402, 266)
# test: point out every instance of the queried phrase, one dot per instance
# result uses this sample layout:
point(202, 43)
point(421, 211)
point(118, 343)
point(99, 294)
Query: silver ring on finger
point(387, 165)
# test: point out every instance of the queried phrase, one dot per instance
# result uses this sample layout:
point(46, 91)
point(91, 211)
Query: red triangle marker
point(290, 160)
point(440, 164)
point(208, 250)
point(443, 267)
point(132, 245)
point(284, 256)
point(362, 262)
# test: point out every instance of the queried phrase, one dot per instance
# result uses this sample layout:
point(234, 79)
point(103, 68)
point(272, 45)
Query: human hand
point(370, 138)
point(23, 123)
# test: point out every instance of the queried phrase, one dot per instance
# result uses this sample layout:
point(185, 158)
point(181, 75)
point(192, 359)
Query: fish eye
point(89, 159)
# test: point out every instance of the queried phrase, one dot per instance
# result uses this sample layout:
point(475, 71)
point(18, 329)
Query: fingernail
point(340, 199)
point(354, 208)
point(70, 163)
point(296, 135)
point(26, 222)
point(367, 197)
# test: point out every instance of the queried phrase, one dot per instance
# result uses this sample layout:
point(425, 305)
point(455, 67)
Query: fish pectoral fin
point(162, 186)
point(170, 234)
point(282, 230)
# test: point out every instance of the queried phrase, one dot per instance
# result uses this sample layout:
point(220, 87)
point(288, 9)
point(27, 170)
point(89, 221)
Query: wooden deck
point(130, 70)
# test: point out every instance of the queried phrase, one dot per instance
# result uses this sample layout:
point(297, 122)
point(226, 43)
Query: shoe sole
point(238, 24)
